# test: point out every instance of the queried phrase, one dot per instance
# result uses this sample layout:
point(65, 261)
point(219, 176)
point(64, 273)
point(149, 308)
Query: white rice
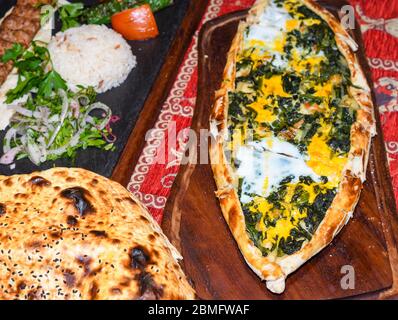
point(91, 55)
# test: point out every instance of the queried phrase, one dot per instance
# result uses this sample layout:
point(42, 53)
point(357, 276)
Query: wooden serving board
point(195, 224)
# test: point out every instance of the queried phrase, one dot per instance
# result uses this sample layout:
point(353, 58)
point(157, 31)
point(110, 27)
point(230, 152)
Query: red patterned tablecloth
point(152, 180)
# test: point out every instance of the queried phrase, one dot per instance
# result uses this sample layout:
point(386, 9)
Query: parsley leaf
point(51, 82)
point(13, 53)
point(31, 65)
point(23, 87)
point(70, 15)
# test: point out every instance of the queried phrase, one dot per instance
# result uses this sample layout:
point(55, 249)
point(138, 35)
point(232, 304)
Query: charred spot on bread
point(39, 181)
point(56, 234)
point(21, 286)
point(94, 290)
point(2, 209)
point(94, 182)
point(33, 295)
point(99, 233)
point(149, 290)
point(70, 278)
point(71, 220)
point(143, 218)
point(139, 258)
point(85, 261)
point(79, 197)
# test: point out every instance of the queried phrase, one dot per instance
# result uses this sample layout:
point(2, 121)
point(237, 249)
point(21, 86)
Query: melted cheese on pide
point(287, 118)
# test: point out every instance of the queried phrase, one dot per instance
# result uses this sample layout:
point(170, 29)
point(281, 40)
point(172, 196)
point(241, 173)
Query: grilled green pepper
point(102, 13)
point(74, 14)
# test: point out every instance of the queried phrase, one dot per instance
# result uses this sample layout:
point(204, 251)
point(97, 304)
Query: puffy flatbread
point(72, 234)
point(275, 269)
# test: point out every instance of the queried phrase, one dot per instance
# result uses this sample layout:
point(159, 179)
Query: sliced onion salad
point(46, 133)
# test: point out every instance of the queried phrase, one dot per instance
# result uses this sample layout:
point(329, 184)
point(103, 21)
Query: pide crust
point(274, 271)
point(72, 234)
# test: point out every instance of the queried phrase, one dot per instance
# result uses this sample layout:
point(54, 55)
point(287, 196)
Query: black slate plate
point(126, 101)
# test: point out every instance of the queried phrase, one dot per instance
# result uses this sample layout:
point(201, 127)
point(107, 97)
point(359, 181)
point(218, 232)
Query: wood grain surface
point(195, 224)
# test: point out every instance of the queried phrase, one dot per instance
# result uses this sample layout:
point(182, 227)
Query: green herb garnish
point(12, 54)
point(32, 65)
point(70, 15)
point(53, 122)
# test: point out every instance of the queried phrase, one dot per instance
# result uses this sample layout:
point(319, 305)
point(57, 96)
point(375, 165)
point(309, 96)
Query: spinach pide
point(289, 119)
